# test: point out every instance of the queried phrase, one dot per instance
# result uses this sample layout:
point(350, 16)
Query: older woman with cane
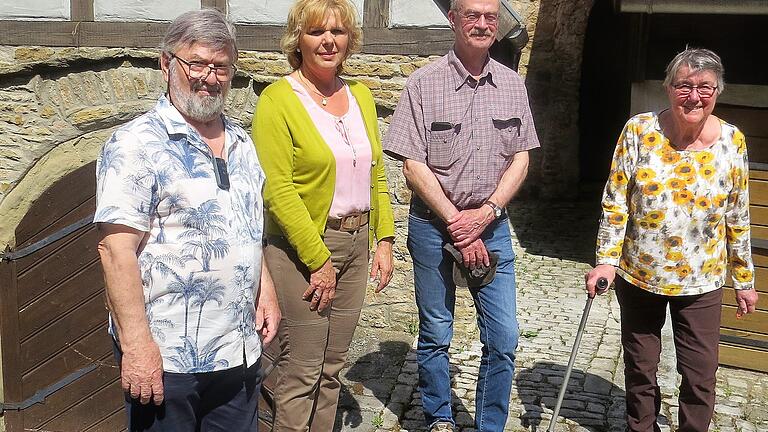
point(317, 138)
point(675, 216)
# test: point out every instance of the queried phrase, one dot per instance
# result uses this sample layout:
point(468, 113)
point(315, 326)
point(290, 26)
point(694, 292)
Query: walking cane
point(602, 284)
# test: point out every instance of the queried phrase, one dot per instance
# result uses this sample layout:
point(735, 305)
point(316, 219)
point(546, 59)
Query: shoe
point(442, 426)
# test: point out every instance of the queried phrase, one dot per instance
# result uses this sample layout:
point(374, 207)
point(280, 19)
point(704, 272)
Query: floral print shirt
point(674, 219)
point(201, 265)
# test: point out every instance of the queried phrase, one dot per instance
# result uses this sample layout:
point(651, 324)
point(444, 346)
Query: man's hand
point(590, 279)
point(267, 308)
point(467, 225)
point(747, 300)
point(322, 287)
point(474, 254)
point(141, 372)
point(382, 265)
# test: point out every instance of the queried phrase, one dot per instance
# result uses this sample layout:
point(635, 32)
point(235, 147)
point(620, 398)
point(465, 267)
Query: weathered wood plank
point(89, 411)
point(81, 10)
point(63, 297)
point(11, 354)
point(50, 266)
point(745, 358)
point(60, 402)
point(70, 327)
point(53, 210)
point(755, 174)
point(216, 4)
point(250, 37)
point(758, 192)
point(755, 322)
point(79, 353)
point(376, 14)
point(751, 121)
point(758, 215)
point(114, 422)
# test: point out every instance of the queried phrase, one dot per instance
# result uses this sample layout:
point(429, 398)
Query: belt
point(349, 223)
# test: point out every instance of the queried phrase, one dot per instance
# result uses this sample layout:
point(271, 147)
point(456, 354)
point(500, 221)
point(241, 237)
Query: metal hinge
point(40, 395)
point(36, 246)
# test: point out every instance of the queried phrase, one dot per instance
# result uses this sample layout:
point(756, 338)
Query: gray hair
point(697, 59)
point(206, 26)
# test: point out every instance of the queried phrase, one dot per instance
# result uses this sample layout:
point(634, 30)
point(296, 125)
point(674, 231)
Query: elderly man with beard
point(179, 209)
point(463, 128)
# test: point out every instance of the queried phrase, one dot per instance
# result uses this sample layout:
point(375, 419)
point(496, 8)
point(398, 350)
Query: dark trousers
point(696, 329)
point(219, 401)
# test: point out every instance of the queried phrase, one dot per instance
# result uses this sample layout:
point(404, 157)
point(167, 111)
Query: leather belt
point(349, 223)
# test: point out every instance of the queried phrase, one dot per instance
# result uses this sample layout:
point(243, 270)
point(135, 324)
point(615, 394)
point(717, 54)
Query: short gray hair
point(697, 59)
point(208, 27)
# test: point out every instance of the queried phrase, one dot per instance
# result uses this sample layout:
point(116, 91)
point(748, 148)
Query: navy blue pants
point(225, 401)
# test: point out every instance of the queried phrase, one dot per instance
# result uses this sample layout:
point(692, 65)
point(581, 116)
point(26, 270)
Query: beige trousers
point(314, 345)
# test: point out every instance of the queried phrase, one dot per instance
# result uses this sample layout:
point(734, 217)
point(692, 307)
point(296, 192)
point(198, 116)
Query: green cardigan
point(301, 171)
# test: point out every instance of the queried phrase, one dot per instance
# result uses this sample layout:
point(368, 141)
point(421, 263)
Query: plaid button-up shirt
point(466, 130)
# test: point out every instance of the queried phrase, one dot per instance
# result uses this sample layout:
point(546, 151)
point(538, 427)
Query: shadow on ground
point(590, 401)
point(371, 377)
point(565, 230)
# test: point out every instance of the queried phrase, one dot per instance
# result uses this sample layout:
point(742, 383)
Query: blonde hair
point(307, 13)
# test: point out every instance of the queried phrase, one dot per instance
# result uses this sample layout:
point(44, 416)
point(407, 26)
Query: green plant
point(377, 420)
point(529, 334)
point(413, 327)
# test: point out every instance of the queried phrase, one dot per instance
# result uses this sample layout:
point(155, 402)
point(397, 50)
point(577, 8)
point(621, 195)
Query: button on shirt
point(466, 130)
point(201, 265)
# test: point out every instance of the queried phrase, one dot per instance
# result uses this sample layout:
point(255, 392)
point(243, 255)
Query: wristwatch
point(496, 209)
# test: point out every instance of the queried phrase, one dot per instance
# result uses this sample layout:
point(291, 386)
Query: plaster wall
point(141, 10)
point(269, 11)
point(408, 13)
point(38, 9)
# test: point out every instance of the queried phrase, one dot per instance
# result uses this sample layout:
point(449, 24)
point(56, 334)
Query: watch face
point(497, 212)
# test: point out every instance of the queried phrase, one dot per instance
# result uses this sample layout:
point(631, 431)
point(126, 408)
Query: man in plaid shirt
point(463, 129)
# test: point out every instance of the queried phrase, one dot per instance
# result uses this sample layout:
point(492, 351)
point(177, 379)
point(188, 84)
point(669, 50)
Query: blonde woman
point(327, 200)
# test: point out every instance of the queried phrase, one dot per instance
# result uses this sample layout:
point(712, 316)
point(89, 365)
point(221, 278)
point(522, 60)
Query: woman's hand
point(322, 287)
point(746, 300)
point(603, 270)
point(382, 265)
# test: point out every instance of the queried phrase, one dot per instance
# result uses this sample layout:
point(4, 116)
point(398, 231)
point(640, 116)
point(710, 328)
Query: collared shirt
point(466, 130)
point(346, 136)
point(201, 265)
point(674, 219)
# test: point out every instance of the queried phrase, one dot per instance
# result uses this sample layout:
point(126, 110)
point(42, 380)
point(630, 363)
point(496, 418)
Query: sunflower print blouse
point(672, 219)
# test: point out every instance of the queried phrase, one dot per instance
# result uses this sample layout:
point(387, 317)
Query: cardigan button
point(373, 163)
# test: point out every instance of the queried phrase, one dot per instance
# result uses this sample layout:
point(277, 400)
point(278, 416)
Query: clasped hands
point(465, 228)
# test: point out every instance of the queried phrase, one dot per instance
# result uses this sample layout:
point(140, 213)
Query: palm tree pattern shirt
point(201, 265)
point(673, 219)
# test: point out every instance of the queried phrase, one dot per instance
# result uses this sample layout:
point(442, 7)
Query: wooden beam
point(405, 41)
point(81, 10)
point(216, 4)
point(376, 13)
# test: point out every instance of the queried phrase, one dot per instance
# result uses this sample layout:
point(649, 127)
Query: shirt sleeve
point(406, 136)
point(615, 208)
point(737, 220)
point(125, 183)
point(529, 127)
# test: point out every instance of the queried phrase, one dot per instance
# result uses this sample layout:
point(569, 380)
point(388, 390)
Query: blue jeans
point(496, 310)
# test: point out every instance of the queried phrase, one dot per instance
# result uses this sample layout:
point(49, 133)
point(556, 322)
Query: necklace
point(313, 88)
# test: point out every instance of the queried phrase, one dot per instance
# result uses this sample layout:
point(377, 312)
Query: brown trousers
point(314, 345)
point(696, 329)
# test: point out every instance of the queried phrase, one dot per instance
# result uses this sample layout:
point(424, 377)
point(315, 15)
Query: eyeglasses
point(200, 71)
point(473, 17)
point(705, 90)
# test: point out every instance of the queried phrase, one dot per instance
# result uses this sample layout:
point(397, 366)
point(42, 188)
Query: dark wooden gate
point(53, 319)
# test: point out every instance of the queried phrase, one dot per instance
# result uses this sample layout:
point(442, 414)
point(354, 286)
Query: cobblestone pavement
point(554, 244)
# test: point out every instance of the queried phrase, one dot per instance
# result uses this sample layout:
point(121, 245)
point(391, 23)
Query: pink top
point(348, 140)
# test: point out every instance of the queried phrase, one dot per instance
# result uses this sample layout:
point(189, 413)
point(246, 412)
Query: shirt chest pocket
point(440, 146)
point(508, 130)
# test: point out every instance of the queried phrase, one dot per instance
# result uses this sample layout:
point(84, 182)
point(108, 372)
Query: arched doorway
point(53, 319)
